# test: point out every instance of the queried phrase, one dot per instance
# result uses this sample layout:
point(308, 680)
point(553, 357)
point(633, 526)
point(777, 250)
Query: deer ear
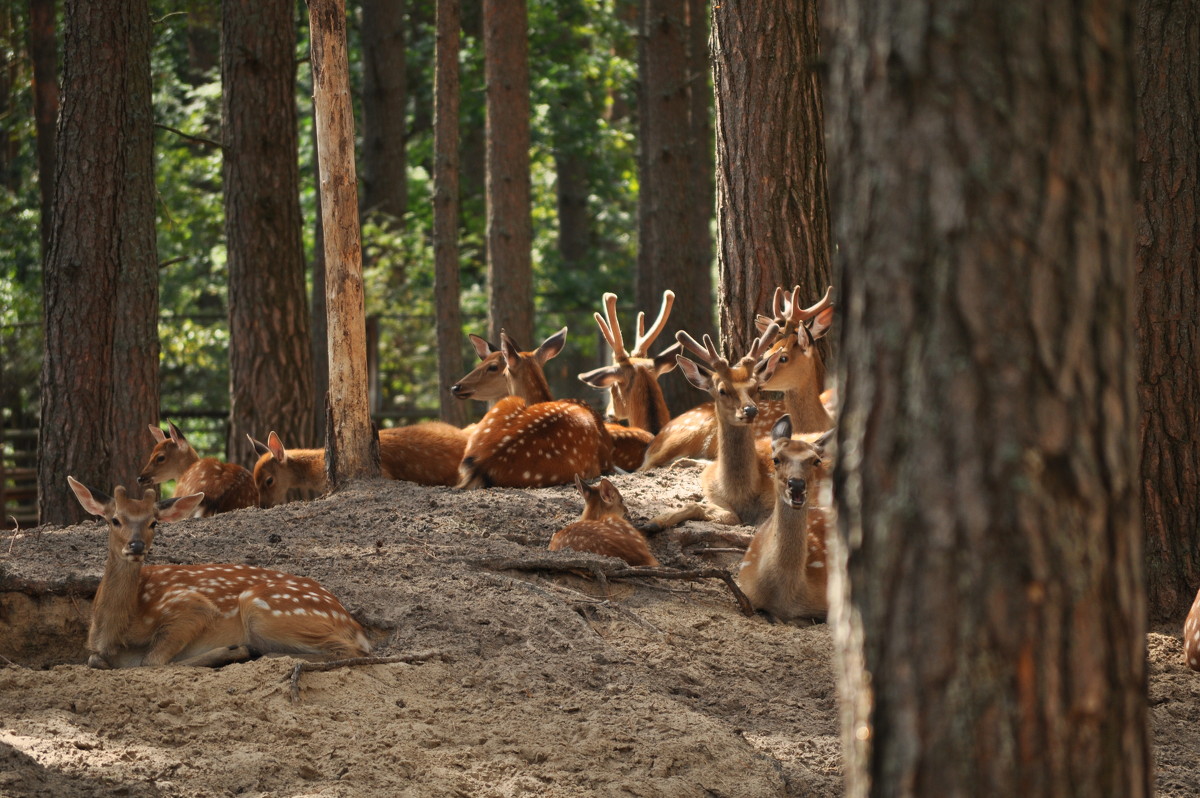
point(260, 448)
point(602, 377)
point(176, 435)
point(693, 373)
point(581, 487)
point(509, 348)
point(608, 491)
point(92, 500)
point(157, 433)
point(827, 439)
point(782, 430)
point(665, 361)
point(821, 323)
point(551, 346)
point(275, 447)
point(178, 507)
point(482, 348)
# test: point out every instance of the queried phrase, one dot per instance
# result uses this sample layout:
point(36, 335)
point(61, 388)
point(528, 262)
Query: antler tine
point(793, 306)
point(645, 339)
point(705, 352)
point(762, 342)
point(777, 307)
point(610, 329)
point(808, 313)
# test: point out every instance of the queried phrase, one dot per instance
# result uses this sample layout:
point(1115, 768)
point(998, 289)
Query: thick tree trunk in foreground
point(992, 628)
point(352, 450)
point(509, 227)
point(270, 360)
point(100, 373)
point(1168, 317)
point(772, 198)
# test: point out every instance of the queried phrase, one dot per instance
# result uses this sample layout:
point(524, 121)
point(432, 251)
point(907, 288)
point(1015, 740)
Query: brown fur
point(629, 445)
point(226, 486)
point(1191, 636)
point(603, 527)
point(280, 470)
point(428, 453)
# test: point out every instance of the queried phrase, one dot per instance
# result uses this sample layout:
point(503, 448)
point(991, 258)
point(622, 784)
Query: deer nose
point(750, 411)
point(458, 390)
point(137, 547)
point(797, 485)
point(144, 479)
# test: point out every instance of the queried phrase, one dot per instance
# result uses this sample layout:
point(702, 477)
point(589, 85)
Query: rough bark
point(353, 451)
point(317, 308)
point(445, 211)
point(270, 360)
point(989, 603)
point(100, 373)
point(43, 46)
point(1168, 317)
point(772, 198)
point(385, 183)
point(509, 227)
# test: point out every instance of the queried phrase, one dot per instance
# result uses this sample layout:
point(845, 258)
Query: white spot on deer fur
point(260, 603)
point(277, 613)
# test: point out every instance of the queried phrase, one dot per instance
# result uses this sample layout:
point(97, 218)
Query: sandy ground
point(539, 685)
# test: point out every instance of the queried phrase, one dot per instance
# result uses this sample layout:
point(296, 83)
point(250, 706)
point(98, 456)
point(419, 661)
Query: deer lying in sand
point(225, 486)
point(604, 527)
point(200, 614)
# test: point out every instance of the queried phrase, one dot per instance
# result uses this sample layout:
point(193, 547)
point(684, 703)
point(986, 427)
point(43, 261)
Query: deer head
point(733, 388)
point(170, 457)
point(132, 523)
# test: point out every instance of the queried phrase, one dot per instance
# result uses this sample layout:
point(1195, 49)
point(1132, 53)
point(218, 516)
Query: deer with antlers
point(783, 572)
point(604, 527)
point(801, 370)
point(199, 614)
point(226, 486)
point(525, 443)
point(493, 379)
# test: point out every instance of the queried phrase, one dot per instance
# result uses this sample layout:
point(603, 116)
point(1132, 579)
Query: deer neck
point(644, 404)
point(307, 468)
point(115, 607)
point(807, 412)
point(791, 532)
point(532, 387)
point(737, 460)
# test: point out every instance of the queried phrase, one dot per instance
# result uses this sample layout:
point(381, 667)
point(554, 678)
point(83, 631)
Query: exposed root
point(301, 667)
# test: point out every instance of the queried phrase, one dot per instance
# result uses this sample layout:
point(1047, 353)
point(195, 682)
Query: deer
point(529, 443)
point(737, 485)
point(783, 572)
point(279, 470)
point(604, 527)
point(801, 370)
point(203, 615)
point(226, 486)
point(1191, 635)
point(490, 381)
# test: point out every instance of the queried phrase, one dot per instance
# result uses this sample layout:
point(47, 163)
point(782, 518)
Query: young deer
point(528, 443)
point(783, 572)
point(279, 470)
point(801, 371)
point(493, 379)
point(226, 486)
point(199, 614)
point(604, 527)
point(737, 484)
point(1191, 635)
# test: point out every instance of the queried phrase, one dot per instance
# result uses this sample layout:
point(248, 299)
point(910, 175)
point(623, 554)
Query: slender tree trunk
point(1168, 317)
point(702, 208)
point(445, 211)
point(319, 310)
point(772, 200)
point(270, 359)
point(203, 39)
point(385, 182)
point(988, 596)
point(352, 449)
point(574, 224)
point(509, 227)
point(100, 373)
point(43, 48)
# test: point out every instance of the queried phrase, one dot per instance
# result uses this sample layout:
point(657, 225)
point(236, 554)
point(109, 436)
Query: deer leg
point(180, 629)
point(690, 512)
point(99, 663)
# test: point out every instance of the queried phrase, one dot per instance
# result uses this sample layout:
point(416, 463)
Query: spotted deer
point(737, 485)
point(492, 379)
point(199, 614)
point(783, 572)
point(524, 443)
point(279, 470)
point(226, 486)
point(604, 527)
point(801, 370)
point(1191, 636)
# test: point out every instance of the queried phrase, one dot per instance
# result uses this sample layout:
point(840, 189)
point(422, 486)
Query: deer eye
point(783, 358)
point(494, 367)
point(160, 458)
point(154, 525)
point(816, 462)
point(270, 481)
point(115, 521)
point(724, 392)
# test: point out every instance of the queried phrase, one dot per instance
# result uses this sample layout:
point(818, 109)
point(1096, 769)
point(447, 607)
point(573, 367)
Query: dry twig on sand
point(301, 667)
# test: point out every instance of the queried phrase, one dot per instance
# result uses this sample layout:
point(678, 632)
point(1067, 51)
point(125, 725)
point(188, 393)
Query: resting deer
point(604, 527)
point(226, 486)
point(1191, 636)
point(783, 572)
point(524, 443)
point(199, 614)
point(801, 370)
point(737, 485)
point(493, 379)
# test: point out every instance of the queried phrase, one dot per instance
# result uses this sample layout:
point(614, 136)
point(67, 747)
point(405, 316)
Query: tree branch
point(198, 139)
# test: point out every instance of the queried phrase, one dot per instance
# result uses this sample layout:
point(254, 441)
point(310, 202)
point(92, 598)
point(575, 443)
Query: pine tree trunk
point(772, 199)
point(270, 359)
point(988, 594)
point(43, 50)
point(1168, 317)
point(445, 212)
point(100, 373)
point(509, 226)
point(352, 449)
point(385, 181)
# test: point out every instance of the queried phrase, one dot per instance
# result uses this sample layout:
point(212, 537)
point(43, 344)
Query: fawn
point(604, 527)
point(524, 443)
point(199, 614)
point(279, 470)
point(226, 486)
point(783, 572)
point(1191, 635)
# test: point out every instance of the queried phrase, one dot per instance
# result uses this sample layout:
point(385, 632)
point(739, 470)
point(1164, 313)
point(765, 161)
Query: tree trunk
point(352, 449)
point(100, 373)
point(203, 39)
point(1168, 317)
point(772, 200)
point(43, 48)
point(988, 595)
point(445, 211)
point(318, 310)
point(385, 182)
point(270, 360)
point(509, 227)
